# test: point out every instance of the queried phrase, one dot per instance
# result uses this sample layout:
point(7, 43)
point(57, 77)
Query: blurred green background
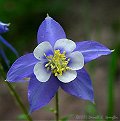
point(82, 20)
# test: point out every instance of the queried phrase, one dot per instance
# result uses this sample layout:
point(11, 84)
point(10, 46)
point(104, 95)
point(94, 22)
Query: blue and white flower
point(56, 62)
point(3, 29)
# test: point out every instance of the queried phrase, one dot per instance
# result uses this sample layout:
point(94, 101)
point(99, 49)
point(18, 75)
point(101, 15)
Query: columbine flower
point(3, 29)
point(56, 61)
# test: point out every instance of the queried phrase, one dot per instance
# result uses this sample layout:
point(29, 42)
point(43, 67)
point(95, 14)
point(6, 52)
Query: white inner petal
point(68, 76)
point(76, 60)
point(66, 44)
point(41, 73)
point(41, 49)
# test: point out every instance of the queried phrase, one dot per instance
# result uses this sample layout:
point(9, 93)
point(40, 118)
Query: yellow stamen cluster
point(57, 63)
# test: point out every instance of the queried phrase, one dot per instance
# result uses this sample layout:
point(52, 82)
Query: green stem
point(111, 83)
point(57, 107)
point(15, 95)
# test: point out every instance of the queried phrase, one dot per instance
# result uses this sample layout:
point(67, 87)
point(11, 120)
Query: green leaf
point(22, 117)
point(91, 109)
point(52, 110)
point(66, 118)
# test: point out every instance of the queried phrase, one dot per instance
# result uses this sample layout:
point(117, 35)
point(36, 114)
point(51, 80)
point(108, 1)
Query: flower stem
point(57, 106)
point(15, 95)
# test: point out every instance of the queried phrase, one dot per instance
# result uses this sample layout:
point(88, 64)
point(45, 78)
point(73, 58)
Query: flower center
point(58, 63)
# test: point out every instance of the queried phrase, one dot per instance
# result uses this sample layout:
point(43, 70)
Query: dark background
point(97, 20)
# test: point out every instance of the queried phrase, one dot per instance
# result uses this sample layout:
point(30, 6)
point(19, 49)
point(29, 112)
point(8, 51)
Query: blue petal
point(22, 68)
point(92, 50)
point(2, 53)
point(50, 30)
point(40, 93)
point(8, 45)
point(80, 87)
point(3, 27)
